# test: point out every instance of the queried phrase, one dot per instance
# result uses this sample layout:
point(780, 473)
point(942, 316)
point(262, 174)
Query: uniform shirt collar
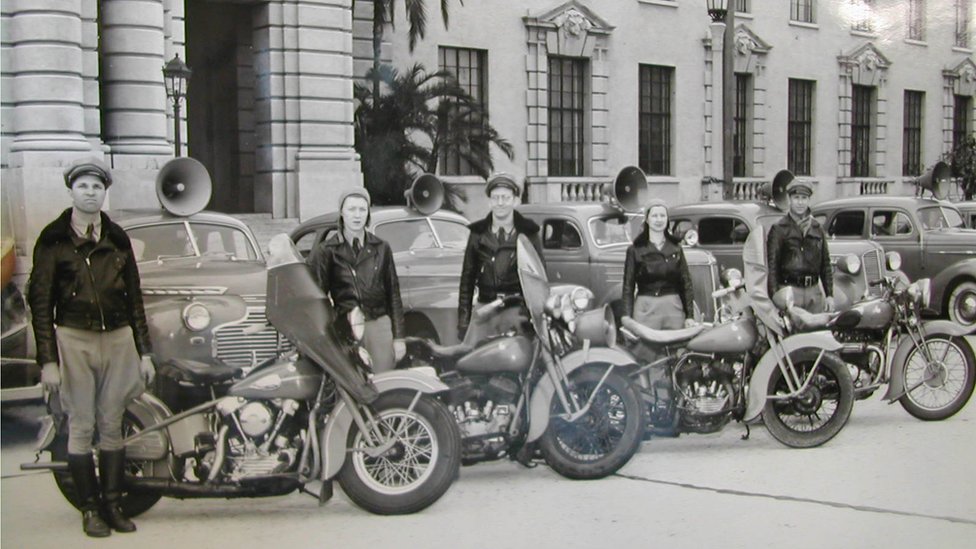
point(80, 225)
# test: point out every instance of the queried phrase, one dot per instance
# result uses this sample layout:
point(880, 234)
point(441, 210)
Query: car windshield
point(186, 239)
point(615, 229)
point(939, 217)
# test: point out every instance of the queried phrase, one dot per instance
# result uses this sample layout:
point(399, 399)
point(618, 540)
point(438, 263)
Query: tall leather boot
point(110, 465)
point(82, 468)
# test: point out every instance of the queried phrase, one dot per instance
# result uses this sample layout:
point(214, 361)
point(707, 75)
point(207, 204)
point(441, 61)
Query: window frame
point(655, 116)
point(450, 162)
point(799, 132)
point(862, 129)
point(741, 125)
point(912, 126)
point(961, 107)
point(566, 157)
point(915, 26)
point(803, 11)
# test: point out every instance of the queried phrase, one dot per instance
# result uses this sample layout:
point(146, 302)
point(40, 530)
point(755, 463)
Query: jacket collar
point(523, 225)
point(643, 240)
point(371, 243)
point(60, 230)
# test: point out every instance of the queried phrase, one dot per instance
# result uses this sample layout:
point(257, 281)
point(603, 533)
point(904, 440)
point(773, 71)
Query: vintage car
point(723, 227)
point(929, 235)
point(968, 211)
point(586, 243)
point(428, 251)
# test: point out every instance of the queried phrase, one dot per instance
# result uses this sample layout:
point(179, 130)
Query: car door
point(723, 235)
point(896, 231)
point(564, 251)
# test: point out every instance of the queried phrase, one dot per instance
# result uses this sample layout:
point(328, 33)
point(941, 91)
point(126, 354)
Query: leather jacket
point(491, 264)
point(81, 284)
point(369, 280)
point(652, 272)
point(790, 255)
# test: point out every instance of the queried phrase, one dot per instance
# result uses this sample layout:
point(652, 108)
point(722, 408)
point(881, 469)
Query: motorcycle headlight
point(581, 298)
point(364, 356)
point(731, 277)
point(921, 291)
point(850, 264)
point(893, 259)
point(690, 238)
point(196, 317)
point(357, 323)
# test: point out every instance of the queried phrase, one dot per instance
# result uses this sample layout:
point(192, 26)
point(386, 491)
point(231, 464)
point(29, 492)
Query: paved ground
point(887, 480)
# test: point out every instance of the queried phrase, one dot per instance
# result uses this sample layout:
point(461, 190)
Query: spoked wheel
point(939, 384)
point(604, 439)
point(821, 409)
point(133, 503)
point(416, 469)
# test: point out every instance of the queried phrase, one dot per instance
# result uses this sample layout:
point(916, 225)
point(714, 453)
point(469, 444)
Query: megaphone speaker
point(426, 194)
point(183, 186)
point(776, 190)
point(629, 188)
point(937, 179)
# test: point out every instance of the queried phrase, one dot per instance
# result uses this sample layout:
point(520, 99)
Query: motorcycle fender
point(759, 382)
point(896, 384)
point(541, 400)
point(336, 430)
point(150, 410)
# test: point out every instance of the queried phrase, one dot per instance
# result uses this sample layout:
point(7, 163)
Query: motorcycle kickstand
point(746, 436)
point(324, 494)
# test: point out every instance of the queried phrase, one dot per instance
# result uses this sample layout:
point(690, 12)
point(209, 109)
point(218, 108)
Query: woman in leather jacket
point(355, 268)
point(657, 289)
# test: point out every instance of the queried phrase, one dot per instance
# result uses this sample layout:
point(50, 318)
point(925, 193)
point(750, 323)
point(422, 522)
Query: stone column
point(713, 156)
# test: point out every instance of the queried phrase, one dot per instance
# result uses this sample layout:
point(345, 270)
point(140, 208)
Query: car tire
point(961, 305)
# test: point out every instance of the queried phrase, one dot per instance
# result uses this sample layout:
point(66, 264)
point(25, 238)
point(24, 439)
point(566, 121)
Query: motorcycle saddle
point(200, 373)
point(660, 337)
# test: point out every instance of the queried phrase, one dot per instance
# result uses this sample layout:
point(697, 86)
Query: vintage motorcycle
point(308, 415)
point(928, 365)
point(745, 367)
point(546, 382)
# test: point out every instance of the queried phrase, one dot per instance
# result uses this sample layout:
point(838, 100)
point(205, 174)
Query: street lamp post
point(175, 76)
point(722, 31)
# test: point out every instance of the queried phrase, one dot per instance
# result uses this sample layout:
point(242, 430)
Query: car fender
point(336, 433)
point(959, 271)
point(541, 399)
point(759, 382)
point(896, 385)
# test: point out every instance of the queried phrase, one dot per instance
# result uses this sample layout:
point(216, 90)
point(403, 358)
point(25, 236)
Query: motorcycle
point(308, 415)
point(544, 388)
point(928, 366)
point(745, 367)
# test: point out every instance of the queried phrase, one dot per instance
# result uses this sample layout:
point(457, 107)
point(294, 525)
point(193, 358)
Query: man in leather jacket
point(355, 267)
point(797, 254)
point(490, 261)
point(88, 317)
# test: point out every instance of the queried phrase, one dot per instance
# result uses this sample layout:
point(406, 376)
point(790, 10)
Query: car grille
point(873, 269)
point(236, 348)
point(704, 278)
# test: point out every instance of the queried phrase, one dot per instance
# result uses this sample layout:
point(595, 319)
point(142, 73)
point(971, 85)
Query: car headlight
point(893, 259)
point(921, 291)
point(850, 264)
point(731, 277)
point(196, 317)
point(581, 298)
point(690, 238)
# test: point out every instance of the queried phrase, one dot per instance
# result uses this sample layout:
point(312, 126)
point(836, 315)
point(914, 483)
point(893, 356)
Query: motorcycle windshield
point(301, 311)
point(755, 275)
point(532, 276)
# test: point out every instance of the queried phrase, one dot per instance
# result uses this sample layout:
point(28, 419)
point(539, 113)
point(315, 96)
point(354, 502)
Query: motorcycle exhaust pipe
point(185, 490)
point(45, 466)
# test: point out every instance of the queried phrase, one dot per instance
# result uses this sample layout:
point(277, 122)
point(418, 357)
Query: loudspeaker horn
point(937, 180)
point(629, 188)
point(183, 186)
point(775, 191)
point(426, 194)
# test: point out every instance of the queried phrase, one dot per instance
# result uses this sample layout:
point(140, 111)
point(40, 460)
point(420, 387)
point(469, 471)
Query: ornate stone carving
point(967, 74)
point(744, 44)
point(573, 22)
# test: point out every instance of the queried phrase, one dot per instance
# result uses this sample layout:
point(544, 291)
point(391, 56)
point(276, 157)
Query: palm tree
point(404, 131)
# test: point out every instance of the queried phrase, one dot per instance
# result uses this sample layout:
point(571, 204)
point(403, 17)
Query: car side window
point(721, 231)
point(414, 234)
point(678, 227)
point(560, 234)
point(306, 242)
point(890, 223)
point(451, 233)
point(847, 224)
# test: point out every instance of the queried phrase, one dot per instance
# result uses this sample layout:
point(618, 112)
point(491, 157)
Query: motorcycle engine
point(705, 392)
point(483, 408)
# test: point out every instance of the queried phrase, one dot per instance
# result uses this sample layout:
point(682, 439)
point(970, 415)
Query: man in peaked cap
point(85, 283)
point(490, 258)
point(797, 254)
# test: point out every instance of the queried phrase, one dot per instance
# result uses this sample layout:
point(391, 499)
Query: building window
point(911, 163)
point(567, 78)
point(962, 23)
point(740, 124)
point(469, 68)
point(742, 6)
point(802, 11)
point(654, 141)
point(861, 112)
point(960, 119)
point(916, 20)
point(861, 15)
point(799, 146)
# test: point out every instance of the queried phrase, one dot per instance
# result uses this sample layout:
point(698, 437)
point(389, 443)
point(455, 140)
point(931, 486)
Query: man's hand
point(147, 370)
point(50, 377)
point(399, 349)
point(829, 305)
point(691, 323)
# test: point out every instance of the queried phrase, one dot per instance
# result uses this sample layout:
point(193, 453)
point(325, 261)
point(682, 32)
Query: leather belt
point(801, 281)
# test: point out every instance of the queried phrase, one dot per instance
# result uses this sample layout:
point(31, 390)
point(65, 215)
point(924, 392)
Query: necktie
point(501, 235)
point(355, 247)
point(90, 233)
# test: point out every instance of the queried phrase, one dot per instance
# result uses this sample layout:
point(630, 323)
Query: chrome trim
point(184, 290)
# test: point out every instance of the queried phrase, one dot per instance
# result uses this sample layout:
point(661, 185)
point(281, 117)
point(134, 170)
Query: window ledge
point(914, 42)
point(664, 3)
point(961, 49)
point(864, 34)
point(804, 25)
point(744, 15)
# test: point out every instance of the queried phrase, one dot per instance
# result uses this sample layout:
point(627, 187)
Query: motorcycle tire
point(604, 439)
point(133, 503)
point(953, 377)
point(810, 420)
point(432, 455)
